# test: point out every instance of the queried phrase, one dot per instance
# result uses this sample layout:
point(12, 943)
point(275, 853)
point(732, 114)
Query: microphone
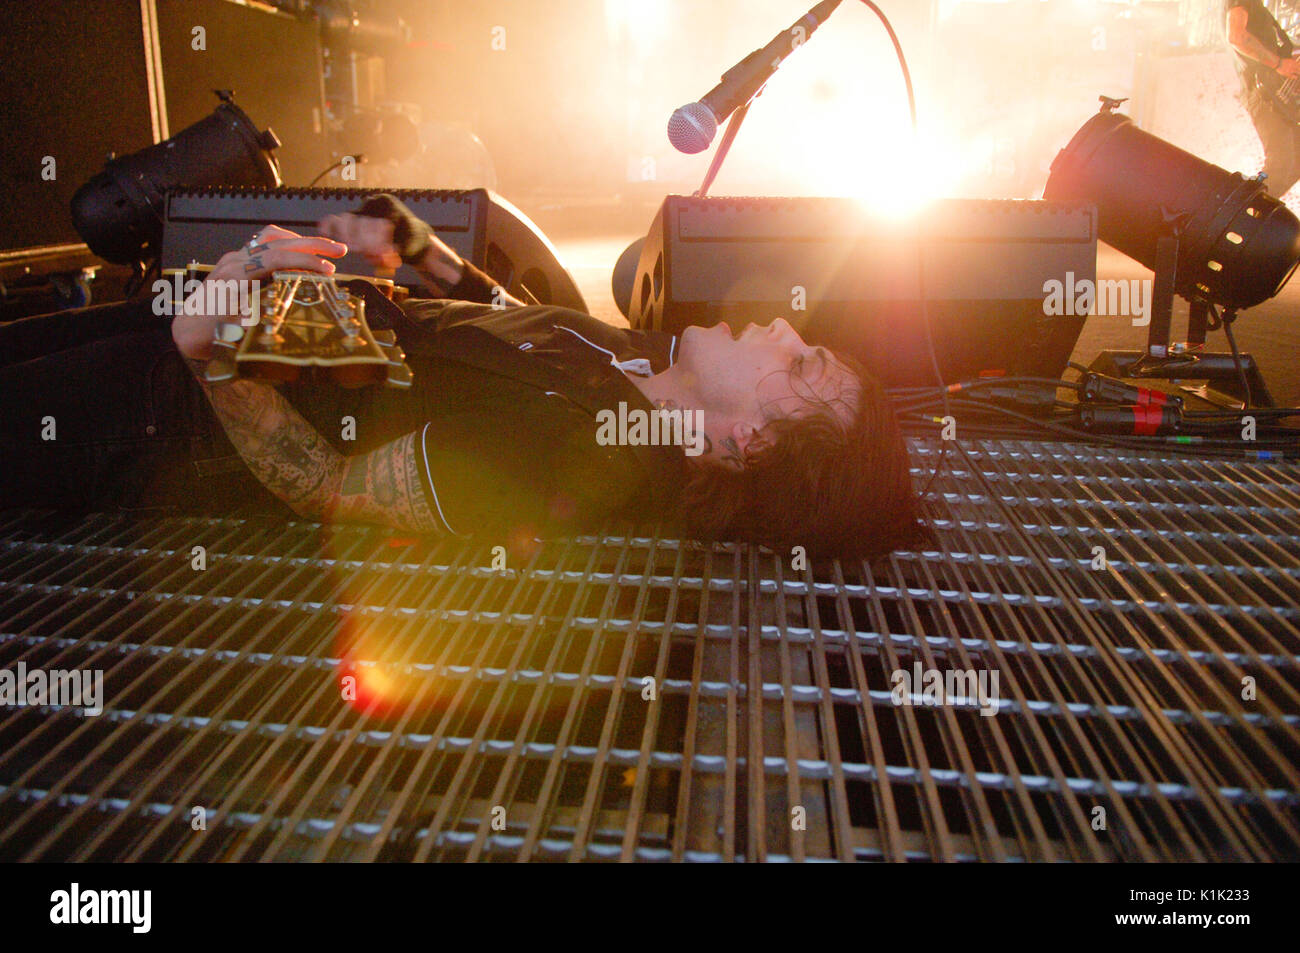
point(692, 127)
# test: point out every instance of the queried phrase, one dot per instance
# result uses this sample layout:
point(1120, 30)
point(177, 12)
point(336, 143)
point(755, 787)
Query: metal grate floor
point(633, 697)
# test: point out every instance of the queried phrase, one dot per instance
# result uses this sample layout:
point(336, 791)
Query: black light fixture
point(119, 212)
point(1213, 237)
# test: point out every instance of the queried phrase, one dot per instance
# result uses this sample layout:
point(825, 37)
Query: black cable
point(724, 148)
point(984, 382)
point(358, 159)
point(1227, 319)
point(902, 60)
point(1120, 439)
point(1236, 414)
point(914, 399)
point(1225, 414)
point(1281, 438)
point(1200, 447)
point(140, 276)
point(929, 395)
point(136, 281)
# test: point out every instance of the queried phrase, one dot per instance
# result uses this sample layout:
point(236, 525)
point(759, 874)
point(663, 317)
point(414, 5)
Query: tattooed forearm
point(284, 452)
point(385, 486)
point(299, 466)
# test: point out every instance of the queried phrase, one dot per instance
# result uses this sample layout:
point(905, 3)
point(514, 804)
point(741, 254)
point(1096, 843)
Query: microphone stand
point(733, 127)
point(738, 117)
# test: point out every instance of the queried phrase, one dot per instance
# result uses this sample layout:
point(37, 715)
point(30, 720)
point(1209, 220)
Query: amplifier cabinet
point(479, 225)
point(850, 280)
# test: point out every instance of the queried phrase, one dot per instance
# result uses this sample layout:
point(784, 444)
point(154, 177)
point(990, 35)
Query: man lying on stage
point(106, 407)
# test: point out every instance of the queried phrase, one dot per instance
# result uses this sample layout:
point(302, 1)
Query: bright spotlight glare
point(645, 22)
point(836, 123)
point(894, 176)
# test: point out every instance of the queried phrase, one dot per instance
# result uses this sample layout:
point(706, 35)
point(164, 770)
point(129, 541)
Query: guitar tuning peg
point(220, 369)
point(399, 375)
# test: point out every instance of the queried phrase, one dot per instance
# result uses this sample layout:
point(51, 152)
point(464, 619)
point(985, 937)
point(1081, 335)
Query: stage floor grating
point(1098, 660)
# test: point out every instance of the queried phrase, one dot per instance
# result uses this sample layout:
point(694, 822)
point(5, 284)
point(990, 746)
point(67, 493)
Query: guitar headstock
point(304, 320)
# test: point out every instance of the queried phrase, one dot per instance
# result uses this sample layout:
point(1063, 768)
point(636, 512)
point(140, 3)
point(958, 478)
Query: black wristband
point(474, 285)
point(411, 234)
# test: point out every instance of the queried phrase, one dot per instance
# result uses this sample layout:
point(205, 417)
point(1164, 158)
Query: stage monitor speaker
point(849, 280)
point(479, 225)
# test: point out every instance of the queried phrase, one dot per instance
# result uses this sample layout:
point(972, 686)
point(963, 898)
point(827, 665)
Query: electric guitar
point(1284, 91)
point(302, 320)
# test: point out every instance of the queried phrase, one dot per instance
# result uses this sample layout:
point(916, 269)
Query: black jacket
point(506, 402)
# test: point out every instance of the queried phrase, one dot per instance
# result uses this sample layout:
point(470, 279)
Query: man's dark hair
point(837, 491)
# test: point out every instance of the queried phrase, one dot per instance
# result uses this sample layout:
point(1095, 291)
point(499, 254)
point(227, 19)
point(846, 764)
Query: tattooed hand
point(273, 249)
point(283, 450)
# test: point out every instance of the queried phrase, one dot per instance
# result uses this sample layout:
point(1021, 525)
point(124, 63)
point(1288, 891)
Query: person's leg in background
point(1292, 173)
point(1281, 140)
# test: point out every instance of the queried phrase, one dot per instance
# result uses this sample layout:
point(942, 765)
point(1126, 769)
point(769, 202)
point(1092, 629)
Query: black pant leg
point(115, 421)
point(1280, 138)
point(29, 338)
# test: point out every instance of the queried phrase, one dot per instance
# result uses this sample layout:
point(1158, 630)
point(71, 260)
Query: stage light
point(1237, 245)
point(120, 211)
point(1213, 237)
